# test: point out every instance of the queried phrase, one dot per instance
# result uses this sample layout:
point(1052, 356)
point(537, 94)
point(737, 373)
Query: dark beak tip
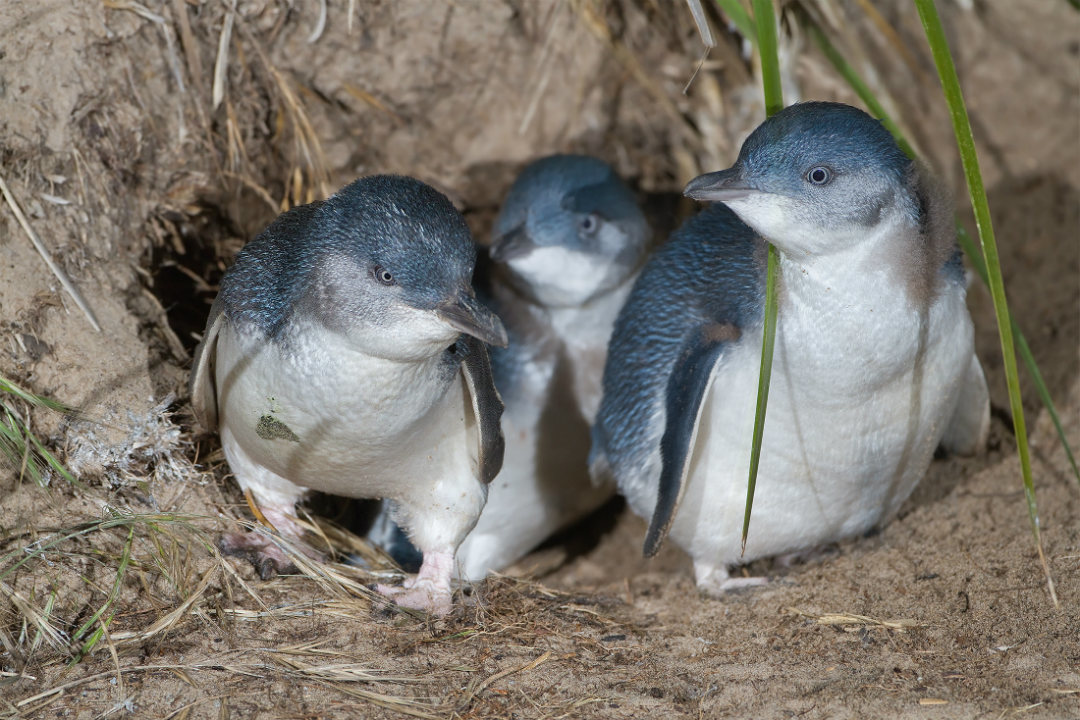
point(494, 335)
point(718, 187)
point(697, 186)
point(708, 188)
point(471, 318)
point(512, 244)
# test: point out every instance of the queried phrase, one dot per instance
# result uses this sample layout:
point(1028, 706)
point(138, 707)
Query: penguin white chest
point(859, 398)
point(584, 333)
point(326, 417)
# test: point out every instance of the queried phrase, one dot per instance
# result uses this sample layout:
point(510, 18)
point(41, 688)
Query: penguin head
point(388, 262)
point(569, 230)
point(815, 178)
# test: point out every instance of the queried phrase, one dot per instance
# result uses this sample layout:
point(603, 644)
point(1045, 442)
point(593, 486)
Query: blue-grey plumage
point(567, 244)
point(700, 290)
point(874, 362)
point(343, 354)
point(570, 230)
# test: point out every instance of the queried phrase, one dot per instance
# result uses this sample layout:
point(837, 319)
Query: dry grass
point(80, 605)
point(46, 256)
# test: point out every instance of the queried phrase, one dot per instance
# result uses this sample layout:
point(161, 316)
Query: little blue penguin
point(567, 244)
point(345, 354)
point(874, 363)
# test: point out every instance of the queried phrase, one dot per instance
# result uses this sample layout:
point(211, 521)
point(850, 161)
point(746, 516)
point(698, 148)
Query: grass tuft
point(19, 446)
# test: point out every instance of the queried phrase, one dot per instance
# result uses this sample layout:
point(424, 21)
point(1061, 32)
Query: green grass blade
point(939, 48)
point(736, 13)
point(13, 448)
point(865, 94)
point(121, 571)
point(37, 400)
point(20, 446)
point(765, 21)
point(764, 377)
point(1044, 395)
point(46, 614)
point(17, 445)
point(49, 459)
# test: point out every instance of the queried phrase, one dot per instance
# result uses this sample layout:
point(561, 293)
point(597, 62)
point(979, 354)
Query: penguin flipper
point(970, 423)
point(688, 386)
point(487, 406)
point(201, 383)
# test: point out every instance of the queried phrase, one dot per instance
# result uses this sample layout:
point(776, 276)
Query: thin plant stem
point(736, 13)
point(765, 21)
point(950, 83)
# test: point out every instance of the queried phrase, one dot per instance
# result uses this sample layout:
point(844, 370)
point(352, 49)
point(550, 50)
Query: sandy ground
point(143, 189)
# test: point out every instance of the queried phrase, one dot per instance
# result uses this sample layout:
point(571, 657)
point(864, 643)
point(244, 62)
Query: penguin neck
point(887, 268)
point(592, 319)
point(585, 285)
point(576, 335)
point(848, 317)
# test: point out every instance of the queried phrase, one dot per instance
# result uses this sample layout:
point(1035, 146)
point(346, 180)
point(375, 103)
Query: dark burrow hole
point(189, 251)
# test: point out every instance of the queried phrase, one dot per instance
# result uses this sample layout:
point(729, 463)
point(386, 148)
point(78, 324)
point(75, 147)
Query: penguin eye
point(383, 275)
point(819, 175)
point(590, 223)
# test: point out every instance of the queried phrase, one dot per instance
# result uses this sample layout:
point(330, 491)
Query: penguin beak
point(467, 315)
point(719, 186)
point(512, 244)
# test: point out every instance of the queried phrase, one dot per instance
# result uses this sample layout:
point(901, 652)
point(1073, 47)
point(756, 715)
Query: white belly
point(857, 406)
point(327, 418)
